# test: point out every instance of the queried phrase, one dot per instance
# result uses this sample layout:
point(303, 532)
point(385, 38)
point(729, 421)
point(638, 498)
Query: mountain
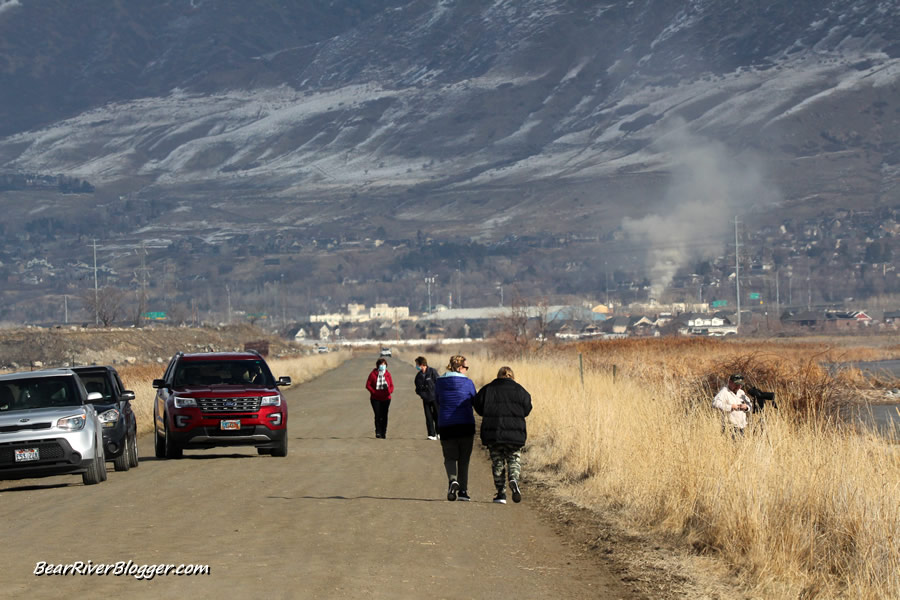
point(464, 121)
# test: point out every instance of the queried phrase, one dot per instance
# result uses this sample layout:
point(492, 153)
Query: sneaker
point(432, 437)
point(516, 493)
point(500, 498)
point(454, 489)
point(464, 496)
point(378, 436)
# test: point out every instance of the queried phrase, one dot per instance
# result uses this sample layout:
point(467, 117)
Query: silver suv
point(49, 427)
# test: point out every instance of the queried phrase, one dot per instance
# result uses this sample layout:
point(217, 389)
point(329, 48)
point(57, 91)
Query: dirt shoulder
point(647, 564)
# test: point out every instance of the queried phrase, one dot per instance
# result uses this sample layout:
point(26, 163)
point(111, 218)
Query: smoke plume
point(695, 218)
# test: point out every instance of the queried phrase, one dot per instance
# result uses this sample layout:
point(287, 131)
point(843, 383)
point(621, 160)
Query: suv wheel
point(92, 475)
point(282, 448)
point(121, 462)
point(133, 454)
point(264, 451)
point(173, 450)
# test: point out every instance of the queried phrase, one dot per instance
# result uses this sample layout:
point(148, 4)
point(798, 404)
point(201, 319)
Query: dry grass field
point(300, 369)
point(801, 507)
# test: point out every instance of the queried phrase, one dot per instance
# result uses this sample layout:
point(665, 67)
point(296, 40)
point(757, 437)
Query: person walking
point(380, 386)
point(735, 404)
point(503, 405)
point(425, 379)
point(453, 392)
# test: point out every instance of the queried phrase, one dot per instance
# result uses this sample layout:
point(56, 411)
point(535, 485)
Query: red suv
point(214, 399)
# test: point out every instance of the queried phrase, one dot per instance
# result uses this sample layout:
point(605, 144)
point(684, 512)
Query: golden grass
point(800, 508)
point(140, 377)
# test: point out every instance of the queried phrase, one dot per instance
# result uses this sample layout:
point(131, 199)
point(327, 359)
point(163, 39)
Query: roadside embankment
point(801, 506)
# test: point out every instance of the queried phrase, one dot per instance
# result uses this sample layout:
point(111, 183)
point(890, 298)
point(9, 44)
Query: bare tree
point(512, 330)
point(107, 304)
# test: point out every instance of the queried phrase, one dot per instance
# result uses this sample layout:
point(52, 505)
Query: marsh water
point(883, 416)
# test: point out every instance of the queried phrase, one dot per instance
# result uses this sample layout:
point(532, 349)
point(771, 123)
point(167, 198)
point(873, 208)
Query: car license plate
point(26, 454)
point(230, 424)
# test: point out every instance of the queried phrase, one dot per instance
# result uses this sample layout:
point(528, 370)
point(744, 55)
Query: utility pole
point(737, 271)
point(283, 309)
point(777, 298)
point(96, 288)
point(808, 285)
point(500, 287)
point(142, 281)
point(228, 313)
point(66, 307)
point(459, 283)
point(790, 289)
point(429, 280)
point(606, 274)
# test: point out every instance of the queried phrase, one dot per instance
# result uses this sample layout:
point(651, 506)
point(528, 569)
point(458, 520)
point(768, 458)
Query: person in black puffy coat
point(503, 405)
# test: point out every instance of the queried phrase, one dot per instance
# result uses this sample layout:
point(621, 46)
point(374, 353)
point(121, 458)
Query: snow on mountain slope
point(450, 95)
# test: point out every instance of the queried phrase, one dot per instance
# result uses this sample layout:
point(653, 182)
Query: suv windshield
point(47, 392)
point(223, 372)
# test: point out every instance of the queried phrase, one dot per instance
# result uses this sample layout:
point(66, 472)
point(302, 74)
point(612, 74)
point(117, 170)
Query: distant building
point(357, 313)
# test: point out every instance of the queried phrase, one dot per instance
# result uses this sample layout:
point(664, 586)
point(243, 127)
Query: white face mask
point(382, 368)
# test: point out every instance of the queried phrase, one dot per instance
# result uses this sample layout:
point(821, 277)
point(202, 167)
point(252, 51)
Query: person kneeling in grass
point(503, 405)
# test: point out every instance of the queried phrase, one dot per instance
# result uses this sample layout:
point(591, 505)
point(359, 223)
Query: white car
point(48, 426)
point(385, 352)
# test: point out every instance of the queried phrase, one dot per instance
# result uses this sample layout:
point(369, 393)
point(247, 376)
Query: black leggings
point(457, 452)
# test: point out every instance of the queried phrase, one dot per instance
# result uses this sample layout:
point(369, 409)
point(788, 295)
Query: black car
point(116, 414)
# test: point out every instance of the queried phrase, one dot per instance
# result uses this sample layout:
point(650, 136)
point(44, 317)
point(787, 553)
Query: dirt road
point(345, 515)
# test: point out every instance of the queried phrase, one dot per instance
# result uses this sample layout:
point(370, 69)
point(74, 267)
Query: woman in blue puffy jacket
point(456, 424)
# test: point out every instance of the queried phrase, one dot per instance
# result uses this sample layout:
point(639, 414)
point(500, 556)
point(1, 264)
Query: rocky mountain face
point(652, 122)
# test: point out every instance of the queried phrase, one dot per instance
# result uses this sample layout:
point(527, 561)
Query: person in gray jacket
point(503, 405)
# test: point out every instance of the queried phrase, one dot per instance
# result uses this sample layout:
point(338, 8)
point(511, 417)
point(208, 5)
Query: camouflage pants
point(503, 456)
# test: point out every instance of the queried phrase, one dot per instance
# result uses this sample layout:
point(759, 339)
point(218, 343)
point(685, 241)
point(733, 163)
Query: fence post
point(581, 368)
point(614, 373)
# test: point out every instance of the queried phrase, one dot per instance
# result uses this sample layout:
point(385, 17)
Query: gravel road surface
point(345, 515)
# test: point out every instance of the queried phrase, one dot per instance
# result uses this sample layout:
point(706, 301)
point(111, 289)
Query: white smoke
point(7, 4)
point(695, 218)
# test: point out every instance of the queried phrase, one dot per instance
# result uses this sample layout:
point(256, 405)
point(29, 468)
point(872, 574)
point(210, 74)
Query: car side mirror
point(159, 383)
point(94, 397)
point(127, 395)
point(283, 381)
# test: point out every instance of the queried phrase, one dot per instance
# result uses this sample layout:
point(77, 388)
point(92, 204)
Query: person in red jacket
point(380, 386)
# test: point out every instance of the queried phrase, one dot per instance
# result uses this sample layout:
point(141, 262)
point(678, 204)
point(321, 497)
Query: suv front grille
point(250, 404)
point(50, 451)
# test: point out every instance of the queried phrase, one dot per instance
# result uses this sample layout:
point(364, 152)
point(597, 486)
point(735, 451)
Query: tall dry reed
point(300, 369)
point(801, 509)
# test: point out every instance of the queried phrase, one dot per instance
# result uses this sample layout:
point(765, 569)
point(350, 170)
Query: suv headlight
point(184, 402)
point(271, 401)
point(109, 418)
point(73, 423)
